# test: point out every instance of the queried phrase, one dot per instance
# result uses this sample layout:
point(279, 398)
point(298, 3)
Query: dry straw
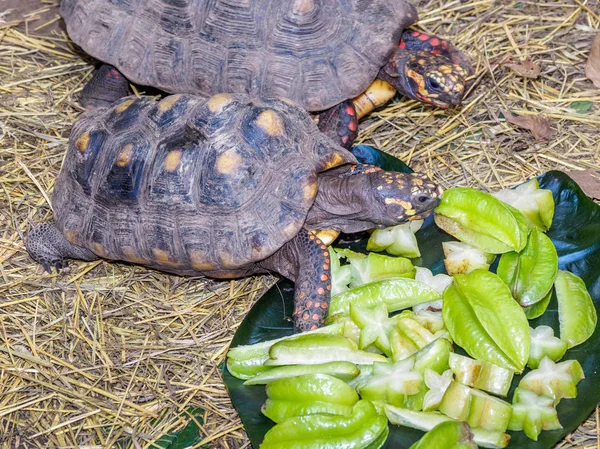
point(111, 355)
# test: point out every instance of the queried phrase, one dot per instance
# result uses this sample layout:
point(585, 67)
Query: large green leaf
point(576, 235)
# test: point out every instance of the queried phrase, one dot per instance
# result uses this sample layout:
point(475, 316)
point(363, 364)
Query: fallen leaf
point(592, 67)
point(581, 107)
point(526, 68)
point(537, 124)
point(588, 180)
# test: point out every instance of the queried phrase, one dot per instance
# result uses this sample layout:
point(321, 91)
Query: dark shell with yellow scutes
point(316, 52)
point(191, 185)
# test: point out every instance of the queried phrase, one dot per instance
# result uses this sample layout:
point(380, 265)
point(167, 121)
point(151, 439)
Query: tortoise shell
point(190, 185)
point(316, 52)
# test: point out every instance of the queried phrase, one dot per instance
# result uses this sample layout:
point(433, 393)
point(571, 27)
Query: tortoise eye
point(433, 84)
point(423, 199)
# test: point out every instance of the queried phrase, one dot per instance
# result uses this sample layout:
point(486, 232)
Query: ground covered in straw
point(112, 355)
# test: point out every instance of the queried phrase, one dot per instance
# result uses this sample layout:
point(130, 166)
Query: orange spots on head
point(82, 142)
point(325, 266)
point(324, 277)
point(172, 160)
point(322, 246)
point(321, 291)
point(434, 41)
point(226, 163)
point(419, 80)
point(271, 123)
point(324, 305)
point(423, 37)
point(125, 156)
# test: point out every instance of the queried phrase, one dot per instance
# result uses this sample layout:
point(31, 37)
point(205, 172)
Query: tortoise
point(223, 187)
point(320, 54)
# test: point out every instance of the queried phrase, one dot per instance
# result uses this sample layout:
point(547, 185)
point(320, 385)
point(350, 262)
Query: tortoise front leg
point(305, 260)
point(106, 86)
point(340, 123)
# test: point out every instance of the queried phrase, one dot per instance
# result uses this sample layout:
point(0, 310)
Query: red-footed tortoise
point(318, 53)
point(225, 187)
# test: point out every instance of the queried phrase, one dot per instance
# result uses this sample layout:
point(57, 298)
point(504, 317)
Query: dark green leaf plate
point(576, 234)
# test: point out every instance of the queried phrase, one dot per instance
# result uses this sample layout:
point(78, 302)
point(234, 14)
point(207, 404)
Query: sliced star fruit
point(483, 318)
point(461, 258)
point(391, 383)
point(536, 204)
point(396, 294)
point(315, 349)
point(533, 413)
point(530, 274)
point(481, 375)
point(428, 420)
point(576, 311)
point(375, 327)
point(307, 394)
point(481, 220)
point(545, 344)
point(363, 429)
point(439, 282)
point(246, 361)
point(555, 380)
point(397, 240)
point(447, 435)
point(366, 268)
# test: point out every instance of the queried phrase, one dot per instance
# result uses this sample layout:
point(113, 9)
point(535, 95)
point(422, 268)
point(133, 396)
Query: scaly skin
point(106, 86)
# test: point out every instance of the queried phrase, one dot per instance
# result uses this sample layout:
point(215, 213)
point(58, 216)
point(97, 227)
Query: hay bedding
point(113, 355)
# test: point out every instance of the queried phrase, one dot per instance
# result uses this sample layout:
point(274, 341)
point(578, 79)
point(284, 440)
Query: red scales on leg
point(340, 123)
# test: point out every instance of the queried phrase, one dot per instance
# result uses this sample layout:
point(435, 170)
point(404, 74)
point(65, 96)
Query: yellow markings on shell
point(226, 163)
point(290, 230)
point(303, 6)
point(173, 160)
point(125, 105)
point(99, 249)
point(271, 123)
point(82, 142)
point(71, 236)
point(166, 103)
point(161, 257)
point(335, 160)
point(405, 204)
point(199, 261)
point(327, 236)
point(125, 156)
point(310, 190)
point(131, 255)
point(218, 102)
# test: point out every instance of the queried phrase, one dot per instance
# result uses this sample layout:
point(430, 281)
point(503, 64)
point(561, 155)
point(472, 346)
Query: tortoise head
point(366, 197)
point(403, 197)
point(427, 77)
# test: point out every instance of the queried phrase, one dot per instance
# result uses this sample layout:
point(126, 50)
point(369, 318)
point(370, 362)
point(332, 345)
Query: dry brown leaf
point(592, 67)
point(537, 124)
point(527, 68)
point(588, 180)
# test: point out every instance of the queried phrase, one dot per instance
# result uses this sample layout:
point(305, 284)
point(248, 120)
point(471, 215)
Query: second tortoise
point(225, 187)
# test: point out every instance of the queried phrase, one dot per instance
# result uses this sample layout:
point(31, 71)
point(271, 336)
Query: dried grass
point(112, 355)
